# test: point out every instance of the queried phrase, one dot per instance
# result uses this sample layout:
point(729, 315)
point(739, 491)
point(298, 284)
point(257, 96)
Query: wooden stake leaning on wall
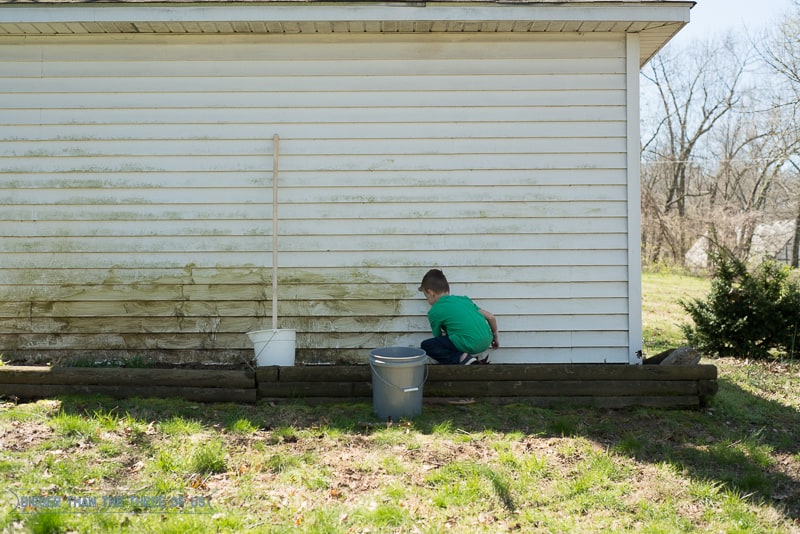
point(275, 157)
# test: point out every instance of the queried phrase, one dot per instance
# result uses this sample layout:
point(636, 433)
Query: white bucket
point(273, 347)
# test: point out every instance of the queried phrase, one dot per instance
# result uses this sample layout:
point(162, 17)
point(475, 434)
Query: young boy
point(460, 328)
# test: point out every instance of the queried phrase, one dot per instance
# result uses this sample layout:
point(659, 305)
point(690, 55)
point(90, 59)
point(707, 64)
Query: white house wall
point(136, 184)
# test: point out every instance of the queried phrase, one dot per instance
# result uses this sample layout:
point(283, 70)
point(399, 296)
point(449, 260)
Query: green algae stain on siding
point(195, 309)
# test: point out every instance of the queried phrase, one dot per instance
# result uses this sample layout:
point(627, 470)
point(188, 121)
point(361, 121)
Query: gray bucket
point(398, 374)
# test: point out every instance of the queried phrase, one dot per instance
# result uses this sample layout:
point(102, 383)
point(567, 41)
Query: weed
point(107, 420)
point(284, 434)
point(394, 436)
point(315, 477)
point(630, 444)
point(467, 482)
point(393, 465)
point(209, 458)
point(242, 426)
point(443, 428)
point(566, 425)
point(75, 426)
point(279, 463)
point(388, 515)
point(109, 450)
point(169, 461)
point(180, 426)
point(47, 522)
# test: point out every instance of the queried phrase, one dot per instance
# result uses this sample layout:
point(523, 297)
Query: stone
point(682, 356)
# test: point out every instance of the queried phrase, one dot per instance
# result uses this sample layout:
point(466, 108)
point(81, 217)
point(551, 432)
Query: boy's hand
point(495, 342)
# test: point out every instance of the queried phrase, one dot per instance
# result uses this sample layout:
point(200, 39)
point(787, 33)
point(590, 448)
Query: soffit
point(656, 21)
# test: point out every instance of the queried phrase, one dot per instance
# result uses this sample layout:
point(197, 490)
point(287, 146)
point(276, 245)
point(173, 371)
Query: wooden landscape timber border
point(545, 385)
point(203, 385)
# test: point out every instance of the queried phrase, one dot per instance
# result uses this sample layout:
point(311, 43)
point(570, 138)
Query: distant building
point(770, 241)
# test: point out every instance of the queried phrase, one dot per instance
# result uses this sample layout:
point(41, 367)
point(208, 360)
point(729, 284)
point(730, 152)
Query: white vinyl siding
point(136, 183)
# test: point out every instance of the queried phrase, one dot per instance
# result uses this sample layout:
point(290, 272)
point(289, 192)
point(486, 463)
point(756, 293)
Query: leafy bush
point(747, 313)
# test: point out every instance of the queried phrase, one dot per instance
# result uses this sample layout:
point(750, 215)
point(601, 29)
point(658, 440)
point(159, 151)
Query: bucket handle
point(266, 344)
point(404, 390)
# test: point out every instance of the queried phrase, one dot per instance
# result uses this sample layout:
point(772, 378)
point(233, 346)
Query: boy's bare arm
point(490, 318)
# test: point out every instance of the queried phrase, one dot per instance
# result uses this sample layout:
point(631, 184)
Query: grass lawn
point(85, 464)
point(662, 314)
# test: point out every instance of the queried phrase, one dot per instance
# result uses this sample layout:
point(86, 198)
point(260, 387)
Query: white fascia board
point(328, 13)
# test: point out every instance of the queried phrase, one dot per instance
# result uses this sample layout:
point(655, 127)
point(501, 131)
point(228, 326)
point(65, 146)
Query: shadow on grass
point(742, 441)
point(747, 443)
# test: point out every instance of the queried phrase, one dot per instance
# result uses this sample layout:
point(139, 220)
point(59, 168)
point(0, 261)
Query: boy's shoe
point(483, 357)
point(469, 360)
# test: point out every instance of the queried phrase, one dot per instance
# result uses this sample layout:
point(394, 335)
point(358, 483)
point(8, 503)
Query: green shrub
point(748, 313)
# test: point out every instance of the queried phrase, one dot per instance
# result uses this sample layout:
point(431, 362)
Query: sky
point(710, 18)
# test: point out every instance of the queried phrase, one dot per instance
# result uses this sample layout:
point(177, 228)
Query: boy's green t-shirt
point(458, 317)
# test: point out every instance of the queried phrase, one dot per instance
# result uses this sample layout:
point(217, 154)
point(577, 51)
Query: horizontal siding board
point(137, 179)
point(331, 227)
point(455, 242)
point(271, 82)
point(390, 314)
point(499, 225)
point(273, 118)
point(314, 244)
point(136, 212)
point(426, 209)
point(141, 318)
point(380, 49)
point(238, 123)
point(320, 195)
point(310, 179)
point(590, 335)
point(118, 196)
point(123, 228)
point(258, 133)
point(315, 147)
point(315, 260)
point(317, 292)
point(422, 210)
point(319, 163)
point(453, 194)
point(514, 343)
point(318, 99)
point(421, 261)
point(480, 279)
point(152, 69)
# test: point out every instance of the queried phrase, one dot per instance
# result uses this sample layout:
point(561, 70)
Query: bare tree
point(748, 183)
point(781, 52)
point(695, 88)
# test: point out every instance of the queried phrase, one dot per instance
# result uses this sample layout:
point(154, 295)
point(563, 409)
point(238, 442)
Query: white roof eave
point(661, 19)
point(334, 13)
